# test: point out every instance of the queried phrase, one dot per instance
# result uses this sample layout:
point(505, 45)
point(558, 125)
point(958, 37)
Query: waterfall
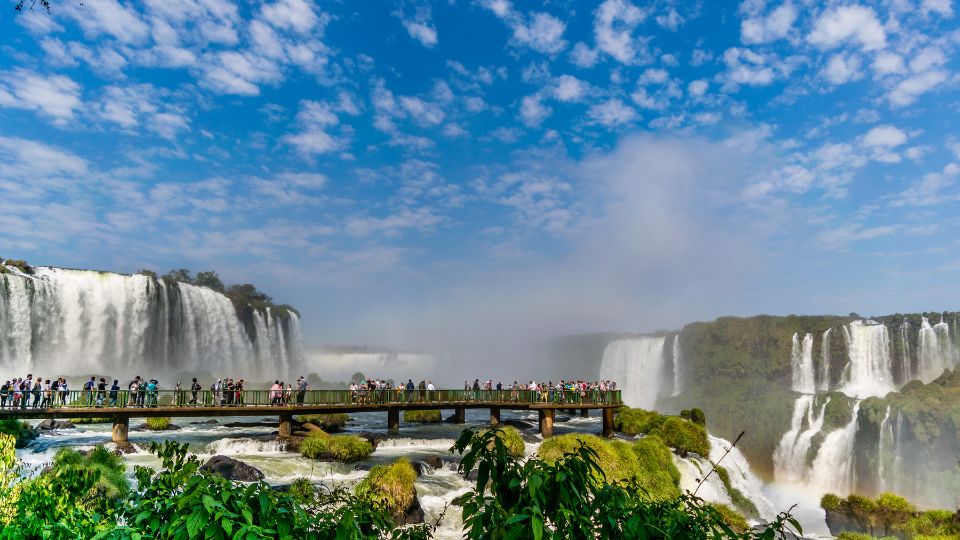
point(676, 365)
point(802, 364)
point(77, 322)
point(883, 447)
point(906, 371)
point(636, 365)
point(741, 475)
point(824, 385)
point(897, 483)
point(870, 368)
point(832, 470)
point(790, 457)
point(935, 349)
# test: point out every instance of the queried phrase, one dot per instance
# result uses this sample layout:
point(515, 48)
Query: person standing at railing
point(152, 388)
point(194, 390)
point(101, 391)
point(275, 392)
point(114, 393)
point(64, 392)
point(132, 390)
point(4, 389)
point(430, 390)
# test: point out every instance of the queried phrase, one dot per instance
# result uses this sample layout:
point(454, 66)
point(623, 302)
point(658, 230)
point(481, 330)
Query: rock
point(210, 421)
point(417, 467)
point(435, 462)
point(519, 424)
point(126, 448)
point(232, 469)
point(143, 427)
point(452, 419)
point(559, 419)
point(50, 424)
point(413, 515)
point(374, 438)
point(531, 437)
point(250, 424)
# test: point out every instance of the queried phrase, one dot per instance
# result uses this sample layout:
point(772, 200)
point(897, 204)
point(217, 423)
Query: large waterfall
point(637, 366)
point(73, 322)
point(870, 368)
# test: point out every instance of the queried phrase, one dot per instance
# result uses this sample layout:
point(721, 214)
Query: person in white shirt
point(430, 389)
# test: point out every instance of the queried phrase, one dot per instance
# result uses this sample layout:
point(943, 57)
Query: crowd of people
point(38, 393)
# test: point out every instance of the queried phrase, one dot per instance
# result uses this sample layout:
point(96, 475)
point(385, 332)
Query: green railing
point(226, 398)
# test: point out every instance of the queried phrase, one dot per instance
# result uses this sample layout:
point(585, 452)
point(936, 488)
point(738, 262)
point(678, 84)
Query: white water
point(801, 364)
point(741, 475)
point(906, 372)
point(935, 350)
point(677, 388)
point(637, 367)
point(870, 369)
point(824, 385)
point(790, 457)
point(832, 469)
point(883, 446)
point(692, 473)
point(72, 322)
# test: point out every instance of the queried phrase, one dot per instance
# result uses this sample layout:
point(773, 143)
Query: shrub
point(91, 420)
point(390, 487)
point(511, 439)
point(637, 421)
point(424, 416)
point(684, 436)
point(19, 265)
point(740, 501)
point(698, 417)
point(326, 422)
point(111, 482)
point(616, 458)
point(855, 536)
point(302, 490)
point(158, 423)
point(657, 476)
point(21, 431)
point(730, 516)
point(830, 502)
point(343, 448)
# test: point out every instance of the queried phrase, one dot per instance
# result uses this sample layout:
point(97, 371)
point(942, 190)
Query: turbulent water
point(637, 365)
point(77, 322)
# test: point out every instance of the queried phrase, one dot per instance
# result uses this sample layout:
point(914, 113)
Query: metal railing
point(227, 398)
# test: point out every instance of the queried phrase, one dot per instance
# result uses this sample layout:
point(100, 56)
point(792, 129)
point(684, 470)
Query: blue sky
point(416, 174)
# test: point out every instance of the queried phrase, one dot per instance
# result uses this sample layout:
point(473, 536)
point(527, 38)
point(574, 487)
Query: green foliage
point(19, 265)
point(617, 459)
point(157, 423)
point(326, 422)
point(21, 431)
point(731, 517)
point(570, 498)
point(182, 276)
point(390, 487)
point(740, 501)
point(892, 515)
point(511, 439)
point(302, 490)
point(111, 481)
point(682, 435)
point(91, 420)
point(209, 280)
point(637, 421)
point(657, 476)
point(343, 448)
point(698, 417)
point(830, 502)
point(855, 536)
point(423, 416)
point(147, 272)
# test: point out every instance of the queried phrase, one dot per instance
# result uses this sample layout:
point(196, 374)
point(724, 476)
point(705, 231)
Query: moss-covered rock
point(740, 501)
point(683, 435)
point(616, 458)
point(344, 448)
point(512, 440)
point(19, 265)
point(433, 416)
point(157, 423)
point(112, 483)
point(19, 430)
point(731, 517)
point(657, 475)
point(392, 488)
point(327, 422)
point(887, 515)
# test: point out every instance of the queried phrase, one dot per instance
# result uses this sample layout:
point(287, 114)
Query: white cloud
point(613, 26)
point(612, 112)
point(544, 33)
point(928, 58)
point(698, 88)
point(842, 68)
point(420, 26)
point(569, 88)
point(56, 97)
point(776, 25)
point(887, 63)
point(109, 17)
point(886, 136)
point(296, 15)
point(653, 76)
point(909, 89)
point(422, 112)
point(583, 56)
point(746, 67)
point(844, 23)
point(315, 119)
point(932, 189)
point(532, 111)
point(854, 232)
point(940, 7)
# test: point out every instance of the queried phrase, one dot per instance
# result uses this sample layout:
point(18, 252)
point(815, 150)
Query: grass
point(512, 440)
point(302, 490)
point(390, 486)
point(112, 483)
point(158, 423)
point(423, 417)
point(731, 517)
point(616, 458)
point(342, 448)
point(657, 476)
point(740, 500)
point(684, 436)
point(326, 422)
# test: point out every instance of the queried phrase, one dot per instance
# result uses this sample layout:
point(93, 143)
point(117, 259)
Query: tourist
point(101, 391)
point(301, 390)
point(276, 392)
point(194, 390)
point(151, 391)
point(410, 388)
point(430, 389)
point(3, 394)
point(88, 390)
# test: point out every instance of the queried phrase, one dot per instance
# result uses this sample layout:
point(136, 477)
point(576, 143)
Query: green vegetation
point(657, 477)
point(326, 422)
point(731, 517)
point(90, 420)
point(111, 481)
point(21, 431)
point(682, 435)
point(390, 487)
point(887, 515)
point(344, 448)
point(19, 265)
point(245, 297)
point(512, 440)
point(157, 423)
point(694, 415)
point(302, 490)
point(740, 500)
point(423, 416)
point(616, 458)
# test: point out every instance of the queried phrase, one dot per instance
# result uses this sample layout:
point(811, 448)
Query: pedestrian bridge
point(123, 405)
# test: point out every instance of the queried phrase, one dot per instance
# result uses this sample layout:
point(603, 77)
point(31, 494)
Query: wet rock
point(50, 424)
point(435, 462)
point(413, 514)
point(418, 467)
point(126, 448)
point(519, 424)
point(559, 419)
point(232, 469)
point(210, 421)
point(143, 427)
point(374, 438)
point(531, 437)
point(272, 423)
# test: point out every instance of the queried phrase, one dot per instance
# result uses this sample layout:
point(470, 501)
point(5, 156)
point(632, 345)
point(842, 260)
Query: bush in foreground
point(390, 487)
point(157, 423)
point(21, 431)
point(423, 416)
point(326, 422)
point(511, 440)
point(343, 448)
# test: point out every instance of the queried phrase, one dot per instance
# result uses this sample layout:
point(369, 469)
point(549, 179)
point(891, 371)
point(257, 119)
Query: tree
point(248, 294)
point(210, 280)
point(182, 276)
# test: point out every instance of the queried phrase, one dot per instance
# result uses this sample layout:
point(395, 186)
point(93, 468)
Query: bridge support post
point(460, 415)
point(285, 427)
point(393, 420)
point(121, 426)
point(546, 422)
point(584, 413)
point(494, 416)
point(608, 422)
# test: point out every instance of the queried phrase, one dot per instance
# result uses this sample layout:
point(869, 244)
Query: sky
point(419, 175)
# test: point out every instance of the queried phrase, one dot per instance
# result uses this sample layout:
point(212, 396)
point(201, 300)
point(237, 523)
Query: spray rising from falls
point(73, 322)
point(935, 350)
point(801, 364)
point(637, 366)
point(870, 368)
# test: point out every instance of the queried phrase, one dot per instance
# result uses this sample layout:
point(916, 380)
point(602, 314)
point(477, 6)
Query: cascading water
point(802, 364)
point(74, 322)
point(677, 388)
point(824, 384)
point(906, 371)
point(790, 457)
point(935, 350)
point(741, 475)
point(832, 469)
point(883, 445)
point(870, 369)
point(637, 367)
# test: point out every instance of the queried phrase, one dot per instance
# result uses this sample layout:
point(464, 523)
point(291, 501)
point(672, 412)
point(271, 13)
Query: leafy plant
point(158, 423)
point(343, 448)
point(424, 417)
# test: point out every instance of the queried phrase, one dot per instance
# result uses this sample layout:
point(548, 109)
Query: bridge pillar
point(393, 420)
point(460, 415)
point(120, 428)
point(584, 413)
point(546, 422)
point(494, 416)
point(285, 427)
point(608, 422)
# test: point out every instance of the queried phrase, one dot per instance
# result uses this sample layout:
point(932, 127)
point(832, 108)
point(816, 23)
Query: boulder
point(435, 462)
point(560, 419)
point(519, 424)
point(374, 438)
point(51, 424)
point(418, 467)
point(232, 469)
point(210, 421)
point(414, 513)
point(126, 448)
